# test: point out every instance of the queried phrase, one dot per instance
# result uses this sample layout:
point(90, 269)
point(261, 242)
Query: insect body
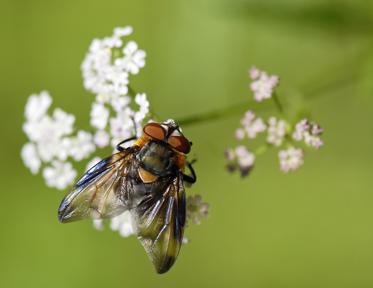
point(147, 179)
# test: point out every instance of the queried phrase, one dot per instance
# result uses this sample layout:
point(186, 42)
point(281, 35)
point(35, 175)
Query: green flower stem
point(277, 103)
point(226, 112)
point(241, 107)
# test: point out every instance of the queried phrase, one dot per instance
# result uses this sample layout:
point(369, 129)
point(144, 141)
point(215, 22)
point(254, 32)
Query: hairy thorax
point(158, 159)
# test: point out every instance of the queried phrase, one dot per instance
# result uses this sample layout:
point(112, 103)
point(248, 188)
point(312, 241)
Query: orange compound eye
point(155, 131)
point(180, 143)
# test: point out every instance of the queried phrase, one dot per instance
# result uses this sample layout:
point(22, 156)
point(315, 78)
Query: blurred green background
point(312, 228)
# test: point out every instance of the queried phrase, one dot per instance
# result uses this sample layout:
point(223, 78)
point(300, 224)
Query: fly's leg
point(120, 148)
point(191, 179)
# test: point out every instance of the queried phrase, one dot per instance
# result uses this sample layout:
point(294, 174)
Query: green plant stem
point(240, 107)
point(277, 103)
point(215, 114)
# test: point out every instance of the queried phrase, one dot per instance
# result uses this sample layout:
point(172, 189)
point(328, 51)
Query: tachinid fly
point(146, 179)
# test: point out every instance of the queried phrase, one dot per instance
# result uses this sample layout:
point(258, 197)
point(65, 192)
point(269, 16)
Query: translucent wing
point(160, 220)
point(97, 193)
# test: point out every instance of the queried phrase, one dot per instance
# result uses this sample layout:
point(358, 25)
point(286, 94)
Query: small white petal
point(99, 115)
point(101, 138)
point(123, 224)
point(37, 106)
point(59, 175)
point(30, 157)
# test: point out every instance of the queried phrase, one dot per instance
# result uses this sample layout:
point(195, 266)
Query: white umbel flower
point(101, 138)
point(99, 115)
point(133, 59)
point(120, 32)
point(143, 103)
point(309, 132)
point(80, 146)
point(290, 159)
point(123, 224)
point(240, 159)
point(263, 84)
point(107, 64)
point(37, 106)
point(59, 175)
point(276, 131)
point(251, 126)
point(30, 157)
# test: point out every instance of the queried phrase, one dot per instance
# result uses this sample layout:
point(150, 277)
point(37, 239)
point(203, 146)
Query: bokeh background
point(312, 228)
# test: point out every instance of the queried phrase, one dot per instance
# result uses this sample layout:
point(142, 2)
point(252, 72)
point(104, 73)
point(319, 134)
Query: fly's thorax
point(157, 158)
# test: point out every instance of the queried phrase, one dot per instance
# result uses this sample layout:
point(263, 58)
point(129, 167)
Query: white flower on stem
point(263, 84)
point(120, 32)
point(123, 224)
point(133, 59)
point(254, 72)
point(100, 75)
point(101, 138)
point(276, 131)
point(251, 126)
point(290, 159)
point(80, 146)
point(143, 111)
point(120, 103)
point(37, 106)
point(309, 132)
point(107, 64)
point(46, 133)
point(99, 115)
point(197, 209)
point(30, 157)
point(59, 175)
point(64, 122)
point(49, 129)
point(122, 126)
point(240, 158)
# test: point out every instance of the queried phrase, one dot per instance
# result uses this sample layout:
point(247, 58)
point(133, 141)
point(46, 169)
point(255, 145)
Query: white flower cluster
point(251, 126)
point(308, 132)
point(51, 141)
point(279, 132)
point(240, 158)
point(109, 62)
point(276, 131)
point(263, 84)
point(290, 159)
point(116, 114)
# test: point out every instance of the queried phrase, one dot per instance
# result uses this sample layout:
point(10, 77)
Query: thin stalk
point(277, 103)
